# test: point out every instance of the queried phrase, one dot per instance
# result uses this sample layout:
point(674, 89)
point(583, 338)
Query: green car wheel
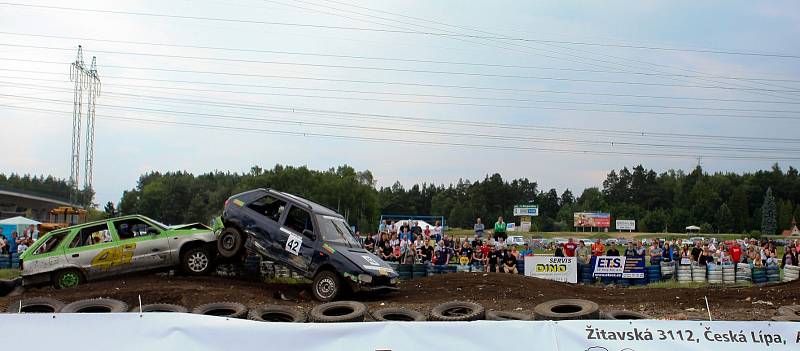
point(68, 278)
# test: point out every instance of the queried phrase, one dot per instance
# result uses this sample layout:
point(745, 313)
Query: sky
point(560, 92)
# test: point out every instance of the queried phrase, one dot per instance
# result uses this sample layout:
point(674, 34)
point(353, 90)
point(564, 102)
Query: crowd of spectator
point(408, 243)
point(22, 241)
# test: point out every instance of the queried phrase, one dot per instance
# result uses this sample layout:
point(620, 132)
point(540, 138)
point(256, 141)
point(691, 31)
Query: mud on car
point(67, 257)
point(304, 236)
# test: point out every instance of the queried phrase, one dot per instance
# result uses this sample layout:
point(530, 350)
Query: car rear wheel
point(326, 286)
point(230, 243)
point(67, 278)
point(196, 261)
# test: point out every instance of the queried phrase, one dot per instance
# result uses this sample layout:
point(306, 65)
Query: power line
point(461, 63)
point(410, 101)
point(405, 70)
point(370, 116)
point(148, 14)
point(415, 142)
point(466, 87)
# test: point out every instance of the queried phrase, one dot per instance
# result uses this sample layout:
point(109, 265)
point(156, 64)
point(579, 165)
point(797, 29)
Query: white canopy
point(692, 227)
point(19, 220)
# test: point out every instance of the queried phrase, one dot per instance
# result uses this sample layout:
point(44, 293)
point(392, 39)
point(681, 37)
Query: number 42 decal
point(293, 243)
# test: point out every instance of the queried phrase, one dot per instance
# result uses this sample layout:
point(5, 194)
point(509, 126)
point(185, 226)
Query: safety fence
point(9, 261)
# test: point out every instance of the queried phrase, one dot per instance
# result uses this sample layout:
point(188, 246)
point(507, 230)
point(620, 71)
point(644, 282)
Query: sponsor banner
point(618, 267)
point(562, 269)
point(526, 210)
point(591, 219)
point(625, 224)
point(183, 331)
point(655, 335)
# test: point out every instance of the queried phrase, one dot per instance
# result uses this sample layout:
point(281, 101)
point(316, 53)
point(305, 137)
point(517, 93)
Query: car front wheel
point(196, 261)
point(326, 286)
point(67, 278)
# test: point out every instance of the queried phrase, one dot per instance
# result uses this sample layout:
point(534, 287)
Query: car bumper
point(36, 279)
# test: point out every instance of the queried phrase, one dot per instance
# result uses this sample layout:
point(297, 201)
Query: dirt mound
point(494, 291)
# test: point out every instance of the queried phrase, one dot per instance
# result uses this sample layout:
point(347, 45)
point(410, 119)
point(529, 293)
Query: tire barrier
point(15, 260)
point(743, 273)
point(759, 275)
point(684, 274)
point(791, 273)
point(405, 271)
point(773, 274)
point(586, 276)
point(419, 271)
point(5, 261)
point(397, 314)
point(338, 311)
point(624, 315)
point(507, 316)
point(654, 273)
point(623, 282)
point(35, 305)
point(715, 274)
point(728, 274)
point(566, 309)
point(95, 306)
point(699, 274)
point(455, 311)
point(521, 266)
point(275, 313)
point(160, 307)
point(222, 309)
point(252, 264)
point(667, 270)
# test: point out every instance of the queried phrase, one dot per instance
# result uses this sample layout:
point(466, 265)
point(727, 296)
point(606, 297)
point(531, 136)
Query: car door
point(262, 224)
point(147, 245)
point(297, 233)
point(93, 249)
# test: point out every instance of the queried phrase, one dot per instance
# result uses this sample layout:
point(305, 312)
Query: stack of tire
point(684, 274)
point(227, 270)
point(654, 273)
point(521, 266)
point(624, 282)
point(728, 274)
point(743, 273)
point(15, 260)
point(419, 271)
point(268, 269)
point(759, 275)
point(5, 261)
point(773, 274)
point(281, 271)
point(699, 273)
point(586, 274)
point(667, 270)
point(715, 274)
point(463, 268)
point(791, 273)
point(451, 268)
point(252, 264)
point(405, 271)
point(566, 309)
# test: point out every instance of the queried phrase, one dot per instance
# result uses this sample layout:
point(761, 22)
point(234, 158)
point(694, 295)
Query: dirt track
point(494, 291)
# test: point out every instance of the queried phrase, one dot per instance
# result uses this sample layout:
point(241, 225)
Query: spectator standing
point(630, 250)
point(559, 252)
point(382, 226)
point(668, 254)
point(696, 251)
point(526, 251)
point(655, 254)
point(437, 230)
point(705, 258)
point(789, 257)
point(427, 252)
point(597, 248)
point(443, 254)
point(500, 229)
point(736, 253)
point(3, 243)
point(569, 248)
point(585, 255)
point(478, 227)
point(612, 251)
point(509, 263)
point(640, 249)
point(416, 229)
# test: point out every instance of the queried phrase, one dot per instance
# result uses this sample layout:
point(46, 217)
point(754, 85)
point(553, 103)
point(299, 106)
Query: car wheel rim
point(326, 288)
point(69, 280)
point(227, 242)
point(198, 262)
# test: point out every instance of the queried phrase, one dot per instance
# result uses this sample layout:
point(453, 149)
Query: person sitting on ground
point(465, 252)
point(443, 254)
point(369, 243)
point(426, 252)
point(386, 252)
point(478, 258)
point(396, 251)
point(493, 259)
point(409, 254)
point(612, 251)
point(394, 241)
point(509, 263)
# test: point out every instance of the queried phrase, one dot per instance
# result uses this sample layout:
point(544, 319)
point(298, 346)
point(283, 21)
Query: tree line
point(762, 201)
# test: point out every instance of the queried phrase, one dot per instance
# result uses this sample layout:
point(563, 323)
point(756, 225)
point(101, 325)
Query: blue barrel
point(623, 282)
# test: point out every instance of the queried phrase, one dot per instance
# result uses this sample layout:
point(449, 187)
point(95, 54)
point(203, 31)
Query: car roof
point(99, 221)
point(313, 206)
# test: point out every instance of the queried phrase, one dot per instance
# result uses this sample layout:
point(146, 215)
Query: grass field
point(9, 273)
point(469, 233)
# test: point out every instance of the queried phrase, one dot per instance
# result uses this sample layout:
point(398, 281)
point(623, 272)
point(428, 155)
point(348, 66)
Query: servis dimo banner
point(562, 269)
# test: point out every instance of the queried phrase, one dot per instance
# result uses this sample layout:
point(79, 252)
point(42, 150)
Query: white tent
point(18, 221)
point(692, 228)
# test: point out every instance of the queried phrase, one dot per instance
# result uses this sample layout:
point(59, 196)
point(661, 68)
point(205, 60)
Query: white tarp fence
point(178, 331)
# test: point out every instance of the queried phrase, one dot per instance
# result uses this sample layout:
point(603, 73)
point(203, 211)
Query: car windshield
point(336, 230)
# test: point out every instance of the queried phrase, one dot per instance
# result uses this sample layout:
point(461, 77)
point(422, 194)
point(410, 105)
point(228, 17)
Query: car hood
point(365, 260)
point(190, 226)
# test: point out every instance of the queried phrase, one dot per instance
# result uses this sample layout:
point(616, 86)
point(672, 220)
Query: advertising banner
point(625, 224)
point(591, 219)
point(183, 331)
point(618, 267)
point(562, 269)
point(526, 210)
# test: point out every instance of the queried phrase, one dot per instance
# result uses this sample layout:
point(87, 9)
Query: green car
point(70, 256)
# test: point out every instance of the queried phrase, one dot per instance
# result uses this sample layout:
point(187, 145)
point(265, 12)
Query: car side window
point(51, 243)
point(269, 207)
point(133, 227)
point(298, 220)
point(96, 234)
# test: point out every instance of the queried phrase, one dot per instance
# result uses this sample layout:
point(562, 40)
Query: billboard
point(526, 210)
point(561, 269)
point(591, 219)
point(618, 267)
point(625, 224)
